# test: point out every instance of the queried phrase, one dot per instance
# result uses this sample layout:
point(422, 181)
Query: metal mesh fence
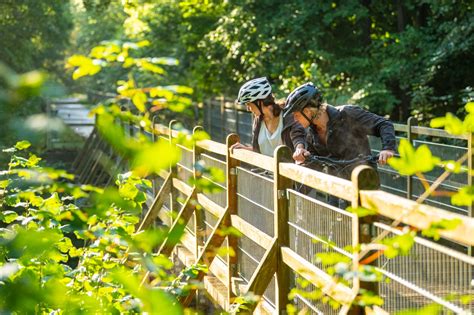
point(430, 274)
point(256, 207)
point(255, 200)
point(313, 223)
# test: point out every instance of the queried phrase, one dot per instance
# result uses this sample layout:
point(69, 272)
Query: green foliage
point(362, 212)
point(34, 33)
point(431, 309)
point(74, 249)
point(442, 225)
point(399, 244)
point(413, 161)
point(464, 197)
point(242, 303)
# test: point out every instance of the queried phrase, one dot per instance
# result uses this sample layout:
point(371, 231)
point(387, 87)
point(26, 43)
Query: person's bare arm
point(239, 145)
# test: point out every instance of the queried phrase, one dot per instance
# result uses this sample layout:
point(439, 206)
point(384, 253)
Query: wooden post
point(199, 225)
point(232, 206)
point(153, 139)
point(410, 122)
point(470, 165)
point(363, 178)
point(221, 118)
point(174, 205)
point(281, 228)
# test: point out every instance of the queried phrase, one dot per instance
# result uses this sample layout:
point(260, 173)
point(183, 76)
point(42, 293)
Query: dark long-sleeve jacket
point(292, 133)
point(347, 131)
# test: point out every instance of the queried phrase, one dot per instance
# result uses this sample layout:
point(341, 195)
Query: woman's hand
point(384, 155)
point(239, 145)
point(300, 154)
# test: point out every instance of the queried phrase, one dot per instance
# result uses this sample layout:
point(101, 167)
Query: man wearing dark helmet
point(338, 132)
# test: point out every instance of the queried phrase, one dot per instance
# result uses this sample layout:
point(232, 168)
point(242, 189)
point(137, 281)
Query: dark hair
point(315, 102)
point(270, 101)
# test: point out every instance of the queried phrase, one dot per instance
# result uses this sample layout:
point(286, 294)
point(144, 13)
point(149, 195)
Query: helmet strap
point(310, 120)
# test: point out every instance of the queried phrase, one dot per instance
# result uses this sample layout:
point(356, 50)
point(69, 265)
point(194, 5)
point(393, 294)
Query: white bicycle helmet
point(256, 89)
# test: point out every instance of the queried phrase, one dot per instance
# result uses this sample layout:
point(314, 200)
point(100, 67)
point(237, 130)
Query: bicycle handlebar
point(323, 159)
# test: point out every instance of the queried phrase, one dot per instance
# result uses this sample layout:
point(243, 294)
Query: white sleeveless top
point(268, 142)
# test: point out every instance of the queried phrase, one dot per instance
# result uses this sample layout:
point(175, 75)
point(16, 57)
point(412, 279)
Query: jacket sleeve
point(374, 125)
point(297, 134)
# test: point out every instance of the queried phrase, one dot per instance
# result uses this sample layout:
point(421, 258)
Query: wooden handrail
point(253, 158)
point(418, 215)
point(212, 146)
point(323, 182)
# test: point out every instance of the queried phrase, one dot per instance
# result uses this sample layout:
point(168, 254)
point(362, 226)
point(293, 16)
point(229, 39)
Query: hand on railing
point(384, 155)
point(239, 145)
point(300, 154)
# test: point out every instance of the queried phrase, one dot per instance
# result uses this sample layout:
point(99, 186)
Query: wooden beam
point(213, 146)
point(157, 204)
point(253, 158)
point(217, 291)
point(219, 269)
point(264, 273)
point(209, 252)
point(433, 132)
point(189, 242)
point(178, 225)
point(259, 237)
point(182, 186)
point(323, 182)
point(210, 205)
point(418, 215)
point(161, 129)
point(316, 276)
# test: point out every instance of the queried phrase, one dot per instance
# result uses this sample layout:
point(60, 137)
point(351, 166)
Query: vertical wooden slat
point(232, 206)
point(410, 122)
point(363, 178)
point(199, 225)
point(281, 228)
point(470, 165)
point(174, 205)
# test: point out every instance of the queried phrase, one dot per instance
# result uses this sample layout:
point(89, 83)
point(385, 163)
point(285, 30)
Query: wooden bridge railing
point(277, 233)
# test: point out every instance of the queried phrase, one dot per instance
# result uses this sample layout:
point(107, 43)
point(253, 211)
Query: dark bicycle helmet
point(256, 89)
point(300, 97)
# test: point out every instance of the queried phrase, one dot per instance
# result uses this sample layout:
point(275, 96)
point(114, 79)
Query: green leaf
point(464, 197)
point(411, 161)
point(8, 216)
point(469, 107)
point(451, 124)
point(442, 225)
point(329, 259)
point(399, 244)
point(21, 145)
point(139, 100)
point(362, 212)
point(431, 309)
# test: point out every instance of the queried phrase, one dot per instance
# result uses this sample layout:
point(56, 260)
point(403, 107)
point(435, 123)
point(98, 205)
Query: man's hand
point(384, 155)
point(300, 154)
point(239, 145)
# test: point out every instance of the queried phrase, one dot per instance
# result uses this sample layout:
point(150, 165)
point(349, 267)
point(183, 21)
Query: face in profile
point(301, 119)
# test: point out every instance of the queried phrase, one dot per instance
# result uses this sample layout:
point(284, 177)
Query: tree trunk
point(401, 20)
point(366, 24)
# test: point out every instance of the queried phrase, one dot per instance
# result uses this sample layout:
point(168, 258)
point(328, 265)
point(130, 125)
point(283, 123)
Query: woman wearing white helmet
point(270, 129)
